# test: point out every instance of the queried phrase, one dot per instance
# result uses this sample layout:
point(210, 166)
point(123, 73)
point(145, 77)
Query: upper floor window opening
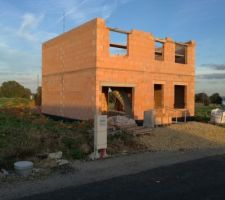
point(159, 50)
point(180, 53)
point(118, 42)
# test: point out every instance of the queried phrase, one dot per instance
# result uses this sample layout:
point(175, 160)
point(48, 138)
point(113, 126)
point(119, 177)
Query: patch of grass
point(123, 142)
point(202, 112)
point(122, 137)
point(77, 154)
point(15, 103)
point(25, 133)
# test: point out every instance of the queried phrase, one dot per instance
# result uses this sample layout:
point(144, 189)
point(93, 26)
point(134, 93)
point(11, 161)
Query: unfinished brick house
point(84, 72)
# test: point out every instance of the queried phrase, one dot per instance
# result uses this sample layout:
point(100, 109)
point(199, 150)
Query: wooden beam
point(181, 43)
point(121, 46)
point(158, 52)
point(179, 55)
point(163, 41)
point(119, 30)
point(160, 40)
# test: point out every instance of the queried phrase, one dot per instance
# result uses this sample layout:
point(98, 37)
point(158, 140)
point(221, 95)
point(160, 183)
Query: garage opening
point(158, 95)
point(117, 100)
point(179, 96)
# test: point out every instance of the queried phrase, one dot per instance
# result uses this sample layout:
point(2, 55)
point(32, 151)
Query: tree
point(215, 98)
point(12, 89)
point(202, 98)
point(38, 96)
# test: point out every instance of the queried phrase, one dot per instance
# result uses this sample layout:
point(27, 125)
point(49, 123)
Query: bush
point(216, 99)
point(38, 97)
point(12, 89)
point(202, 98)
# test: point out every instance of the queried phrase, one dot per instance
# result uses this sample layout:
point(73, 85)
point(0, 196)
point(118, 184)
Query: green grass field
point(25, 133)
point(202, 112)
point(15, 102)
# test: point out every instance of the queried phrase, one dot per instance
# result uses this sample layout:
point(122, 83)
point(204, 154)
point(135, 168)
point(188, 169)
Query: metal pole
point(176, 116)
point(64, 22)
point(108, 101)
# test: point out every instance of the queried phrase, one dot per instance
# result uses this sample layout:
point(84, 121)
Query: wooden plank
point(158, 53)
point(119, 30)
point(160, 40)
point(179, 55)
point(121, 46)
point(179, 43)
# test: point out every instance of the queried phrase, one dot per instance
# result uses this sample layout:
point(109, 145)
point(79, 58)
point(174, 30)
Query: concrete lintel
point(180, 83)
point(159, 82)
point(114, 84)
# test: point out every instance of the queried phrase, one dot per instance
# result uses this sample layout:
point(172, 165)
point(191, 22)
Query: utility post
point(100, 136)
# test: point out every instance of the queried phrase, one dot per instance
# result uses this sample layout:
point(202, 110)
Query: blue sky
point(25, 24)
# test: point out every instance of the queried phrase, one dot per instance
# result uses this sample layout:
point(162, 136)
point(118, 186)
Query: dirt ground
point(187, 136)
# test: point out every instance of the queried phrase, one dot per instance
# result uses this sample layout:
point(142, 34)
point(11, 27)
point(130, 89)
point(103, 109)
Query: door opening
point(158, 95)
point(179, 96)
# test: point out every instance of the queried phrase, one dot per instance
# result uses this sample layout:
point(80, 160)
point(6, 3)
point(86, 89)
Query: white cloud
point(28, 26)
point(19, 65)
point(20, 41)
point(12, 59)
point(81, 11)
point(108, 9)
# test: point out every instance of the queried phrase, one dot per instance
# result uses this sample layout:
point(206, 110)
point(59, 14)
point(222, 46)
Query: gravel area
point(187, 136)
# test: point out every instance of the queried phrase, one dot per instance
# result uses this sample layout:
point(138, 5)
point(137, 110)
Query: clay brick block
point(77, 63)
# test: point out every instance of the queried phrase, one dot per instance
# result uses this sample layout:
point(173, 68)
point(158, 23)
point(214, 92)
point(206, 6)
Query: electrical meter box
point(100, 132)
point(149, 119)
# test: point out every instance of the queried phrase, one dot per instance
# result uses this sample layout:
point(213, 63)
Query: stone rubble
point(62, 162)
point(4, 172)
point(120, 121)
point(55, 155)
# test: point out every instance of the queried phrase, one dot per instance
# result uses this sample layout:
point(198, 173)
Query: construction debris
point(47, 163)
point(127, 125)
point(3, 173)
point(217, 116)
point(53, 160)
point(119, 121)
point(62, 162)
point(56, 155)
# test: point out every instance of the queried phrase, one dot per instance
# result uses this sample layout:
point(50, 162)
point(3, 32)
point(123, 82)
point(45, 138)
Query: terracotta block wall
point(77, 64)
point(68, 73)
point(140, 70)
